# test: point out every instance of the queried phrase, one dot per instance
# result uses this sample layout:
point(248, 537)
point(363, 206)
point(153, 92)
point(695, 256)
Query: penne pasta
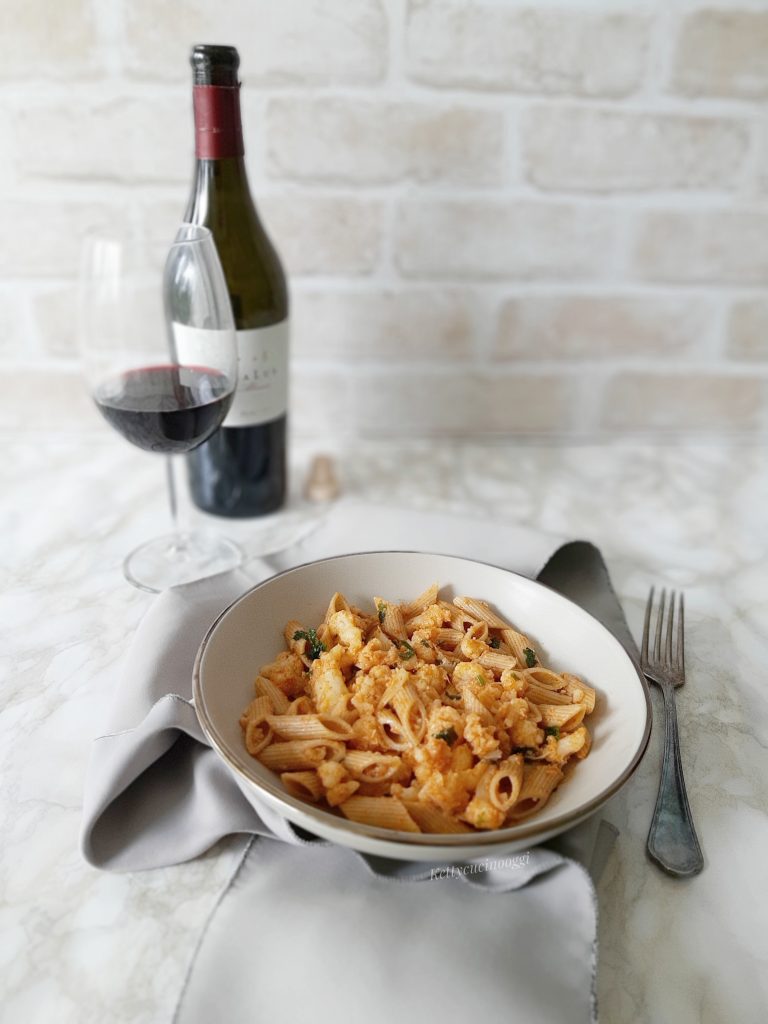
point(481, 611)
point(579, 691)
point(426, 716)
point(370, 766)
point(425, 600)
point(304, 785)
point(391, 619)
point(498, 662)
point(506, 783)
point(266, 688)
point(256, 728)
point(519, 646)
point(430, 819)
point(299, 755)
point(539, 782)
point(310, 727)
point(564, 717)
point(382, 812)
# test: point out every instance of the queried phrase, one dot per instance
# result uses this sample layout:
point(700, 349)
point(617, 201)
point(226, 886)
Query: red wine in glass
point(170, 409)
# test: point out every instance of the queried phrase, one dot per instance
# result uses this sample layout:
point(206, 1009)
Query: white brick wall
point(497, 217)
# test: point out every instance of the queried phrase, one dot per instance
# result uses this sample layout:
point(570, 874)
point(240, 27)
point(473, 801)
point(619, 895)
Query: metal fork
point(672, 841)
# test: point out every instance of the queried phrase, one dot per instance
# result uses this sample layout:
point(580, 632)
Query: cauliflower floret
point(512, 681)
point(327, 686)
point(473, 648)
point(430, 681)
point(342, 624)
point(432, 617)
point(376, 652)
point(483, 814)
point(446, 790)
point(366, 734)
point(286, 672)
point(481, 738)
point(368, 688)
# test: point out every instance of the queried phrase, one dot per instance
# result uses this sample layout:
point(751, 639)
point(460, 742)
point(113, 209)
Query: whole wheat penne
point(338, 603)
point(506, 783)
point(393, 735)
point(423, 601)
point(519, 645)
point(575, 686)
point(498, 662)
point(430, 819)
point(481, 611)
point(381, 811)
point(391, 619)
point(544, 694)
point(370, 766)
point(546, 677)
point(304, 785)
point(258, 735)
point(266, 688)
point(300, 755)
point(461, 620)
point(300, 706)
point(565, 717)
point(258, 709)
point(473, 704)
point(539, 782)
point(310, 727)
point(256, 728)
point(449, 637)
point(411, 712)
point(586, 746)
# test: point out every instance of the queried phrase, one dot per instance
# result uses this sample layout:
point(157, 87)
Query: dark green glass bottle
point(241, 470)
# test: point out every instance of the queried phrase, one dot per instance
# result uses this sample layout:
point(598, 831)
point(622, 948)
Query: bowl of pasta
point(420, 706)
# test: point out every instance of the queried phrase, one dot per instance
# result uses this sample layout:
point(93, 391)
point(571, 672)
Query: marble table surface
point(80, 946)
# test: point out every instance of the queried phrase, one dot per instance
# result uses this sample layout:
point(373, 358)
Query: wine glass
point(160, 355)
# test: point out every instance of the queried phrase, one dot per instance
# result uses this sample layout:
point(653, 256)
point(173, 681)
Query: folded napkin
point(156, 794)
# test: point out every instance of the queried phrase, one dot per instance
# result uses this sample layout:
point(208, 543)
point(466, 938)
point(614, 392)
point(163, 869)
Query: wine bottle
point(241, 470)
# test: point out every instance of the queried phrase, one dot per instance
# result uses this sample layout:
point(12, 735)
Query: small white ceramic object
point(249, 633)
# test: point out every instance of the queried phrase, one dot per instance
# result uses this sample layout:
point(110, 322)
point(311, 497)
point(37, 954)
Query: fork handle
point(672, 841)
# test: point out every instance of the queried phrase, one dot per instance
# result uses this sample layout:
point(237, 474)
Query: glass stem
point(173, 505)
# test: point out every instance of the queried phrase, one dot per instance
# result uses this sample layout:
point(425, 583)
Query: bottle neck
point(218, 129)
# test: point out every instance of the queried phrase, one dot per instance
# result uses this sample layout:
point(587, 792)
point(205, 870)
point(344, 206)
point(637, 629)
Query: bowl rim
point(327, 819)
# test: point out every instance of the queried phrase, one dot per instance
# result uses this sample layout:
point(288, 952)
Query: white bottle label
point(262, 383)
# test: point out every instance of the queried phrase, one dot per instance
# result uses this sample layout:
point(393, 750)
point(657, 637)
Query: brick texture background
point(498, 218)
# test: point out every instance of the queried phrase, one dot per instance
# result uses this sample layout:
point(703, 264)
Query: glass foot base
point(180, 558)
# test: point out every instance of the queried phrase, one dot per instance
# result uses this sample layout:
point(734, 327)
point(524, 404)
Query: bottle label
point(218, 131)
point(262, 382)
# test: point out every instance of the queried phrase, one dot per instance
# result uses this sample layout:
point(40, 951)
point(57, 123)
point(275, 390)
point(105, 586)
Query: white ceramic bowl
point(249, 633)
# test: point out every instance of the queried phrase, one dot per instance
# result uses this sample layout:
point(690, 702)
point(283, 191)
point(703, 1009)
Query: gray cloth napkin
point(156, 794)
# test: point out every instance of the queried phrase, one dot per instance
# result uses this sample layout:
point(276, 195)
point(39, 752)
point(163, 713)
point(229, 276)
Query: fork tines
point(672, 656)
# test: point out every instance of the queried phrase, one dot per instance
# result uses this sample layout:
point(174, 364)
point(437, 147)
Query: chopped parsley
point(316, 646)
point(452, 696)
point(481, 680)
point(407, 651)
point(552, 730)
point(382, 610)
point(448, 735)
point(495, 643)
point(530, 657)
